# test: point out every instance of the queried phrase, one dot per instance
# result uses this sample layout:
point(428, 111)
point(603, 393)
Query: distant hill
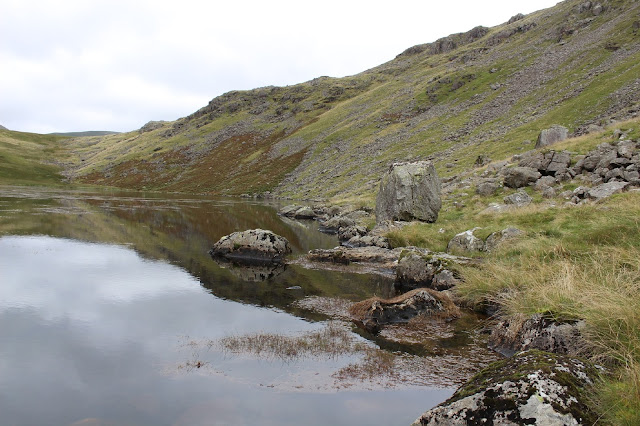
point(82, 134)
point(486, 92)
point(3, 128)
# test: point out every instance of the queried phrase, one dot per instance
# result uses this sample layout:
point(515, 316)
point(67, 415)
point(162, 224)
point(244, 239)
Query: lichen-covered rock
point(518, 177)
point(537, 332)
point(533, 387)
point(518, 199)
point(465, 242)
point(553, 135)
point(409, 191)
point(252, 246)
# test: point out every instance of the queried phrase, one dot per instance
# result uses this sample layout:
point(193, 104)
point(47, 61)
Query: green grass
point(24, 158)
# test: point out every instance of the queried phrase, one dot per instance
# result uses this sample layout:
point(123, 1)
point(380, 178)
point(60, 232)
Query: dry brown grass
point(359, 310)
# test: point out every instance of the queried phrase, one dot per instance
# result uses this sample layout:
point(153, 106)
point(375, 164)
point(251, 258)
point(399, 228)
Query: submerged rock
point(373, 313)
point(409, 191)
point(253, 246)
point(533, 387)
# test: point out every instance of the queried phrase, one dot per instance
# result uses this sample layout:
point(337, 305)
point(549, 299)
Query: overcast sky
point(75, 65)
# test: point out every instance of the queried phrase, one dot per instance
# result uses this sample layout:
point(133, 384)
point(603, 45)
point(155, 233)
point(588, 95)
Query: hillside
point(487, 91)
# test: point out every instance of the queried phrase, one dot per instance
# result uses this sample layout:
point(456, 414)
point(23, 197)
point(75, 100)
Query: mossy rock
point(532, 387)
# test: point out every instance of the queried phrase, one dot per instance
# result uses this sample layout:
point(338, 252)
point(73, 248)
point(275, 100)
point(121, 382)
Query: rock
point(254, 272)
point(548, 192)
point(515, 18)
point(597, 9)
point(518, 177)
point(533, 387)
point(151, 126)
point(420, 270)
point(482, 160)
point(487, 189)
point(253, 246)
point(345, 255)
point(538, 332)
point(465, 242)
point(544, 182)
point(374, 313)
point(496, 238)
point(334, 224)
point(518, 199)
point(367, 240)
point(559, 162)
point(298, 212)
point(409, 191)
point(606, 190)
point(626, 149)
point(552, 135)
point(348, 232)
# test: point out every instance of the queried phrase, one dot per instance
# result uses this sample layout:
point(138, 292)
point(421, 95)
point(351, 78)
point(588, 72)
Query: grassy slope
point(25, 157)
point(333, 138)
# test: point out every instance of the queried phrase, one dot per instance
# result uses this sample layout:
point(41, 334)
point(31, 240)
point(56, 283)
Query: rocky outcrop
point(256, 246)
point(372, 314)
point(151, 126)
point(409, 191)
point(553, 135)
point(532, 387)
point(537, 332)
point(518, 177)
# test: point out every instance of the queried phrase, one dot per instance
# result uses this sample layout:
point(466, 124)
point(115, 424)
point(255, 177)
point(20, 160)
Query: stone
point(552, 135)
point(518, 199)
point(559, 162)
point(533, 387)
point(367, 241)
point(496, 238)
point(482, 160)
point(518, 177)
point(544, 182)
point(548, 192)
point(348, 232)
point(597, 9)
point(419, 270)
point(606, 190)
point(295, 211)
point(409, 191)
point(255, 246)
point(465, 242)
point(333, 225)
point(374, 313)
point(626, 149)
point(487, 189)
point(538, 332)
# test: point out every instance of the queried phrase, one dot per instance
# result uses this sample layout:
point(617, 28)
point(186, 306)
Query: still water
point(111, 312)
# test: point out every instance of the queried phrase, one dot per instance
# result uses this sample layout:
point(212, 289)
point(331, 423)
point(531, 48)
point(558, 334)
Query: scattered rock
point(606, 190)
point(334, 224)
point(496, 238)
point(465, 242)
point(552, 135)
point(345, 255)
point(252, 246)
point(532, 387)
point(409, 191)
point(518, 199)
point(487, 189)
point(538, 332)
point(518, 177)
point(298, 212)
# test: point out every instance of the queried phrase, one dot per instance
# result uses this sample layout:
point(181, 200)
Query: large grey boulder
point(415, 270)
point(518, 177)
point(253, 246)
point(409, 191)
point(553, 135)
point(531, 388)
point(606, 190)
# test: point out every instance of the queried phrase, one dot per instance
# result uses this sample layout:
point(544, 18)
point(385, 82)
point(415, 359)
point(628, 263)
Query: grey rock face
point(518, 199)
point(537, 332)
point(253, 246)
point(532, 387)
point(518, 177)
point(409, 191)
point(553, 135)
point(606, 190)
point(465, 242)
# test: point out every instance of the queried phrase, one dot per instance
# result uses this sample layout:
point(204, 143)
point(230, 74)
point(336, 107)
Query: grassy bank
point(574, 263)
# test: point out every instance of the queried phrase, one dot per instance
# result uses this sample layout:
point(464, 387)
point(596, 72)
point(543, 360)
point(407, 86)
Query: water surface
point(110, 309)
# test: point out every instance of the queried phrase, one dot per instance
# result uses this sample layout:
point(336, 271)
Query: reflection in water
point(103, 296)
point(251, 273)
